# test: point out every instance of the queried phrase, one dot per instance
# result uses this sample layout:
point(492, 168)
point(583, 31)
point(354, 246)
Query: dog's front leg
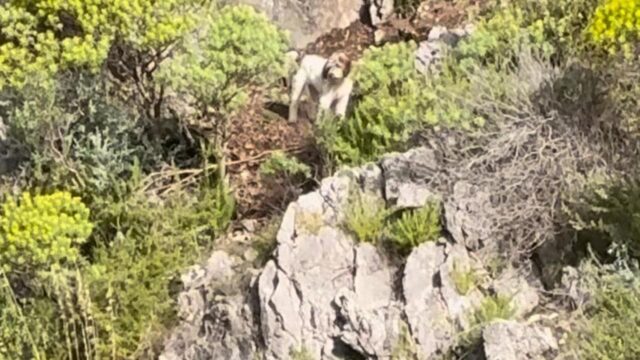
point(297, 87)
point(324, 106)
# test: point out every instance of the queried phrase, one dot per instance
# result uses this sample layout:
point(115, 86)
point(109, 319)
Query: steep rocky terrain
point(325, 295)
point(338, 299)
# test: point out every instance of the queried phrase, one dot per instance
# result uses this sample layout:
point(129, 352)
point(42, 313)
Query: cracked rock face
point(435, 308)
point(306, 20)
point(322, 291)
point(507, 340)
point(214, 324)
point(338, 299)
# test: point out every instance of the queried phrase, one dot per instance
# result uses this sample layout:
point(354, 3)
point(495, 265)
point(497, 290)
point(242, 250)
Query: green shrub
point(389, 107)
point(239, 50)
point(405, 348)
point(301, 353)
point(280, 163)
point(265, 241)
point(77, 137)
point(464, 280)
point(492, 308)
point(415, 227)
point(615, 25)
point(496, 40)
point(130, 277)
point(39, 231)
point(609, 327)
point(48, 36)
point(608, 210)
point(365, 217)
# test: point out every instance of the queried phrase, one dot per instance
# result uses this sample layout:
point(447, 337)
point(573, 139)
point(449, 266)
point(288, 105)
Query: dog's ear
point(347, 66)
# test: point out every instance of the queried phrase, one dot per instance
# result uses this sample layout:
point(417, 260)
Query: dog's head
point(337, 67)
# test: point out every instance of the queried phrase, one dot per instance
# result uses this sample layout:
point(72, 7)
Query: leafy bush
point(365, 217)
point(389, 106)
point(615, 25)
point(46, 37)
point(240, 49)
point(608, 210)
point(608, 329)
point(492, 308)
point(405, 348)
point(131, 274)
point(301, 353)
point(280, 163)
point(416, 227)
point(39, 231)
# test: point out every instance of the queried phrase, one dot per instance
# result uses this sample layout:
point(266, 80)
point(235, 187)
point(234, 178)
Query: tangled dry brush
point(537, 146)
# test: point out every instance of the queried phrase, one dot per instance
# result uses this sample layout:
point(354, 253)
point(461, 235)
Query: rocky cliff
point(306, 20)
point(326, 295)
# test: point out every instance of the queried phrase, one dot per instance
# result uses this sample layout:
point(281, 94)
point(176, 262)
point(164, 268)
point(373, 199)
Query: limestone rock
point(425, 309)
point(435, 308)
point(465, 215)
point(524, 296)
point(380, 11)
point(322, 290)
point(333, 297)
point(213, 324)
point(406, 177)
point(306, 20)
point(369, 315)
point(508, 340)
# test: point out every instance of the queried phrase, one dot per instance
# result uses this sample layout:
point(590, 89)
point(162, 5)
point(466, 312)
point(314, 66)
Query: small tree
point(240, 49)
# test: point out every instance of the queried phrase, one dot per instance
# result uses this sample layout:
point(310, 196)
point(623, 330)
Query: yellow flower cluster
point(38, 37)
point(41, 230)
point(615, 25)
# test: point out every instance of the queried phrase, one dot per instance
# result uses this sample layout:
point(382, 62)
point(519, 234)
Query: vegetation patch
point(464, 280)
point(415, 227)
point(365, 217)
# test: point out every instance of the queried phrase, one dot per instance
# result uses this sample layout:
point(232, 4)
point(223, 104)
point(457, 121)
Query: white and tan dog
point(328, 83)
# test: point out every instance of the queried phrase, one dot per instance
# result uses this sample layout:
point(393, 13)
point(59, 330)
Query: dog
point(328, 82)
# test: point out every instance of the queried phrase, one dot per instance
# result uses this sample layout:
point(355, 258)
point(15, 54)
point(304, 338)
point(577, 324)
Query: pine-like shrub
point(415, 227)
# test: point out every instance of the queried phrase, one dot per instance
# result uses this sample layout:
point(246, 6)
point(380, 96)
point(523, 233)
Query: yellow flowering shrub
point(38, 231)
point(615, 25)
point(41, 36)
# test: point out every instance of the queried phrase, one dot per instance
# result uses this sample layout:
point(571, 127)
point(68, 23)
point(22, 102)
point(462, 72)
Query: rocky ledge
point(334, 298)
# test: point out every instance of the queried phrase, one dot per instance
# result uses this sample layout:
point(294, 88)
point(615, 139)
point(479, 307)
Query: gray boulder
point(214, 323)
point(466, 216)
point(435, 308)
point(306, 20)
point(407, 176)
point(509, 340)
point(322, 291)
